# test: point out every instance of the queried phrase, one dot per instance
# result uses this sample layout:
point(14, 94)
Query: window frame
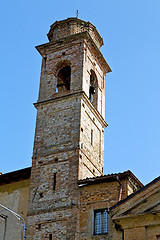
point(104, 222)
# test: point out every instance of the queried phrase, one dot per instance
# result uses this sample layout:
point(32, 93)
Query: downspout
point(5, 226)
point(120, 190)
point(122, 234)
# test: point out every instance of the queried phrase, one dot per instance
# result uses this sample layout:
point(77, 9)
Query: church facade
point(65, 195)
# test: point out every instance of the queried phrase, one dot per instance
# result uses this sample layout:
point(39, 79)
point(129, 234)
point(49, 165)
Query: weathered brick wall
point(14, 196)
point(72, 26)
point(92, 161)
point(69, 52)
point(55, 151)
point(98, 196)
point(92, 62)
point(61, 147)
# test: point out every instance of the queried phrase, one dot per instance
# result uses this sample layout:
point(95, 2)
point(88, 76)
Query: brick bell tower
point(69, 135)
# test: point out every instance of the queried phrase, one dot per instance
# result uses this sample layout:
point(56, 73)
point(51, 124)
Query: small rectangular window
point(91, 137)
point(50, 236)
point(100, 221)
point(85, 53)
point(41, 195)
point(39, 226)
point(54, 181)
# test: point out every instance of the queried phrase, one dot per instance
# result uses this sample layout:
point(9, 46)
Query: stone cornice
point(53, 46)
point(57, 97)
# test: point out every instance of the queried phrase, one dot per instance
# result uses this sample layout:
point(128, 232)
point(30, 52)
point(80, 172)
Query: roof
point(110, 178)
point(71, 26)
point(15, 176)
point(23, 174)
point(135, 193)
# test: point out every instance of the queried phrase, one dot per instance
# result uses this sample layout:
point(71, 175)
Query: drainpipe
point(5, 226)
point(19, 218)
point(122, 234)
point(120, 190)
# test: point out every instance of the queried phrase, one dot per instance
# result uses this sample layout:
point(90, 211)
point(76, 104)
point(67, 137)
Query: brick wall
point(98, 196)
point(63, 148)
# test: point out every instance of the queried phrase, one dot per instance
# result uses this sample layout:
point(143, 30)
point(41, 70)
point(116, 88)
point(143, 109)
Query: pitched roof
point(110, 178)
point(141, 190)
point(15, 176)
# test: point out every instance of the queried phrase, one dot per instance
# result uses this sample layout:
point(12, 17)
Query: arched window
point(63, 79)
point(93, 92)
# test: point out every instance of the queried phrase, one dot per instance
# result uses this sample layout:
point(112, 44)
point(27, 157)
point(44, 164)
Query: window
point(54, 181)
point(93, 89)
point(85, 54)
point(50, 236)
point(92, 83)
point(91, 92)
point(64, 78)
point(39, 226)
point(100, 221)
point(91, 137)
point(41, 195)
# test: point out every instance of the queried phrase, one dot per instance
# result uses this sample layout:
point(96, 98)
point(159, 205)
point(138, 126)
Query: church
point(65, 194)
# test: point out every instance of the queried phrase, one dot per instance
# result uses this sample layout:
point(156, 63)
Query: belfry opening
point(63, 79)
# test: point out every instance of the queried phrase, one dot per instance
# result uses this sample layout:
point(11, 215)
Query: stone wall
point(69, 136)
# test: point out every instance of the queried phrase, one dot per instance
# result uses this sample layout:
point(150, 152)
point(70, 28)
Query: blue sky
point(130, 30)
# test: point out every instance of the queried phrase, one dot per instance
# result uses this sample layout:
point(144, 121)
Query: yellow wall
point(14, 196)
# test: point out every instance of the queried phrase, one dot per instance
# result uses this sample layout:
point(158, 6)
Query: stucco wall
point(15, 197)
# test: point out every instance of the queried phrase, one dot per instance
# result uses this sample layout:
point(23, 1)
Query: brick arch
point(93, 78)
point(61, 65)
point(93, 88)
point(63, 75)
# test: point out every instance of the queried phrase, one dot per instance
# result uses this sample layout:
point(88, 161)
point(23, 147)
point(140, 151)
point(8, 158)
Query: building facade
point(67, 196)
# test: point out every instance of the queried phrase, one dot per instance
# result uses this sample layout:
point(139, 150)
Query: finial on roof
point(77, 13)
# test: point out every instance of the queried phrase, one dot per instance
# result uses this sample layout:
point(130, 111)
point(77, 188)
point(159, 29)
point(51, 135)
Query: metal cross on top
point(77, 13)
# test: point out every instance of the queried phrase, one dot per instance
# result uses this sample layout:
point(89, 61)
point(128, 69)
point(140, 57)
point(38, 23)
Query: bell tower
point(69, 135)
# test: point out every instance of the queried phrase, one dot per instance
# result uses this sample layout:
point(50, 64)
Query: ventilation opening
point(64, 78)
point(41, 195)
point(91, 92)
point(39, 226)
point(54, 181)
point(50, 236)
point(91, 137)
point(93, 89)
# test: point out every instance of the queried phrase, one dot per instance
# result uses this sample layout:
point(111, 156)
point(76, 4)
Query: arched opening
point(93, 92)
point(63, 79)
